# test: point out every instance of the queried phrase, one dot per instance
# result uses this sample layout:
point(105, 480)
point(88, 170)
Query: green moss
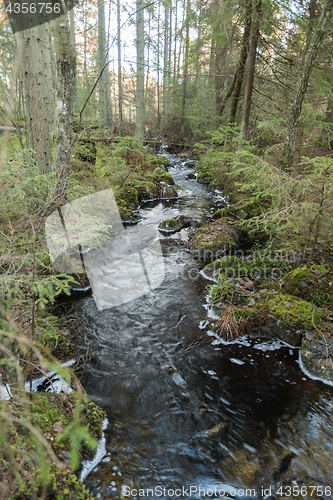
point(293, 312)
point(127, 198)
point(214, 239)
point(312, 283)
point(246, 208)
point(146, 190)
point(46, 411)
point(160, 175)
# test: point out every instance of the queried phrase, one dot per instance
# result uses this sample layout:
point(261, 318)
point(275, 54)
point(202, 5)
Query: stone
point(191, 177)
point(171, 226)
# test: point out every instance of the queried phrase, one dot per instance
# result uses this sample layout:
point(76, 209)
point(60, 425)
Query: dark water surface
point(188, 411)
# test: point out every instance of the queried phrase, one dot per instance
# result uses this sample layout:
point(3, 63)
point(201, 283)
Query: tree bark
point(252, 65)
point(66, 77)
point(186, 57)
point(289, 146)
point(105, 108)
point(120, 76)
point(166, 53)
point(241, 63)
point(140, 75)
point(39, 100)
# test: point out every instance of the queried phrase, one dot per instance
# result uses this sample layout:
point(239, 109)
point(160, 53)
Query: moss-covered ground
point(22, 473)
point(136, 174)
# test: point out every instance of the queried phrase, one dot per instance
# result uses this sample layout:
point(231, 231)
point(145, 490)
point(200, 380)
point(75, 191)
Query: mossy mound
point(49, 414)
point(146, 190)
point(212, 241)
point(261, 269)
point(292, 311)
point(160, 175)
point(127, 198)
point(246, 208)
point(312, 283)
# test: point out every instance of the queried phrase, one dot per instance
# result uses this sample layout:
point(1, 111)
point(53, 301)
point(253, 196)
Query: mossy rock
point(312, 283)
point(127, 198)
point(289, 316)
point(171, 226)
point(210, 242)
point(191, 164)
point(160, 175)
point(146, 190)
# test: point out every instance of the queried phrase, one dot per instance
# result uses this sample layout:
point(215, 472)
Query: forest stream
point(187, 411)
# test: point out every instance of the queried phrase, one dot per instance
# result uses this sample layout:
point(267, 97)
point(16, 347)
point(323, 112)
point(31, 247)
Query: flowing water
point(189, 415)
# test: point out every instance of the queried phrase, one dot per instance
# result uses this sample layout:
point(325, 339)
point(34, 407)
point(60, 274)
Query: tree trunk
point(241, 63)
point(120, 77)
point(252, 65)
point(38, 86)
point(140, 75)
point(289, 146)
point(165, 63)
point(66, 76)
point(105, 108)
point(187, 43)
point(158, 67)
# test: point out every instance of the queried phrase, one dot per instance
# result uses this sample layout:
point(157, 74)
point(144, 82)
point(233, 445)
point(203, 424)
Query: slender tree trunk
point(38, 86)
point(147, 73)
point(186, 57)
point(120, 78)
point(140, 75)
point(85, 74)
point(166, 62)
point(158, 67)
point(66, 76)
point(252, 64)
point(241, 63)
point(175, 45)
point(289, 146)
point(105, 108)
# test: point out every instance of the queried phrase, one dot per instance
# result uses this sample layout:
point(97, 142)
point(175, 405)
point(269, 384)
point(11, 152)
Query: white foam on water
point(89, 465)
point(5, 392)
point(237, 361)
point(310, 375)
